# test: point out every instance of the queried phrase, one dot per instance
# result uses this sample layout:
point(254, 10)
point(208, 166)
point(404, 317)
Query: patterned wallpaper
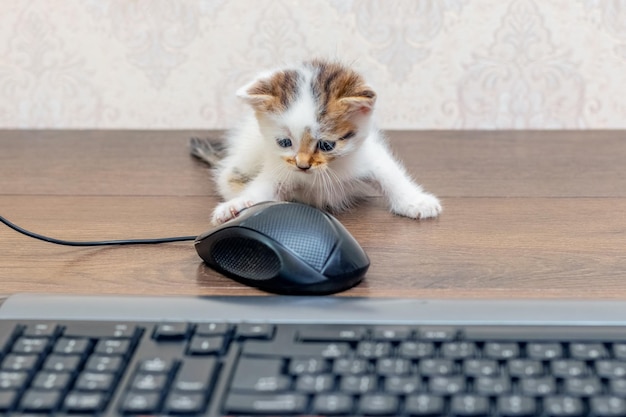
point(436, 64)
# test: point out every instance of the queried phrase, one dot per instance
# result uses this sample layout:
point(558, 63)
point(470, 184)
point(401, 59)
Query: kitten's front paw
point(418, 206)
point(229, 210)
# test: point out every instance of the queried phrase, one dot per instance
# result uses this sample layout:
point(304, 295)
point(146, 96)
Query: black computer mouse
point(285, 248)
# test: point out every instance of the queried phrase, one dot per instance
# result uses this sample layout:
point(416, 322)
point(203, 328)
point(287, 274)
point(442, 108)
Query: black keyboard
point(218, 366)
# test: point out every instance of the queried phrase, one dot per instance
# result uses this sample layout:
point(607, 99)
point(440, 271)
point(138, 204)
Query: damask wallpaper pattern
point(436, 64)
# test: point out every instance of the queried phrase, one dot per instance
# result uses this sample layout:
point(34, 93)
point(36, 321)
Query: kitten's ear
point(361, 102)
point(270, 92)
point(257, 94)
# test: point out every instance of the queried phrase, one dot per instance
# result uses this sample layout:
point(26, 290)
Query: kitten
point(311, 139)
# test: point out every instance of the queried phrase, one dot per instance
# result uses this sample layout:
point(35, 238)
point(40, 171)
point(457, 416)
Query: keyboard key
point(425, 405)
point(260, 375)
point(41, 329)
point(315, 383)
point(541, 351)
point(171, 331)
point(568, 368)
point(619, 350)
point(437, 333)
point(588, 351)
point(12, 380)
point(458, 350)
point(185, 403)
point(501, 350)
point(71, 346)
point(492, 385)
point(40, 401)
point(325, 350)
point(480, 367)
point(101, 330)
point(607, 406)
point(516, 405)
point(308, 366)
point(350, 366)
point(333, 404)
point(254, 331)
point(416, 350)
point(212, 329)
point(62, 363)
point(34, 345)
point(391, 333)
point(469, 405)
point(431, 367)
point(148, 382)
point(312, 349)
point(539, 386)
point(92, 381)
point(447, 385)
point(266, 404)
point(617, 387)
point(84, 402)
point(389, 366)
point(610, 368)
point(205, 345)
point(360, 384)
point(563, 406)
point(135, 402)
point(379, 404)
point(194, 375)
point(582, 387)
point(156, 365)
point(333, 334)
point(98, 363)
point(402, 384)
point(112, 347)
point(369, 350)
point(13, 362)
point(524, 367)
point(51, 381)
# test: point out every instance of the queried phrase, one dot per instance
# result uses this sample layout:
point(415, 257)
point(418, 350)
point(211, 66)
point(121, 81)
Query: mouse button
point(348, 258)
point(305, 230)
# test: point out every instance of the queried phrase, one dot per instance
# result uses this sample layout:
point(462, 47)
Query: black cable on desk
point(97, 242)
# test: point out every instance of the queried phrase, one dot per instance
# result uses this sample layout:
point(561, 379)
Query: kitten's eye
point(326, 145)
point(347, 135)
point(284, 142)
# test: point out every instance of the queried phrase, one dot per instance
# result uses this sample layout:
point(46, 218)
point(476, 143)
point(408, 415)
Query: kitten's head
point(312, 114)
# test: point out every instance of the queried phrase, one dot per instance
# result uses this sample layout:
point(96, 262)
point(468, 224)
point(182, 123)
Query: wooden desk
point(526, 215)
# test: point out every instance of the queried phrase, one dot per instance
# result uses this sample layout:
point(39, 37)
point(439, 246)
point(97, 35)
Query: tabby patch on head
point(273, 94)
point(317, 107)
point(339, 91)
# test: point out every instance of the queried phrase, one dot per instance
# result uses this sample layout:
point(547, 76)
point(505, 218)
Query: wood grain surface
point(526, 215)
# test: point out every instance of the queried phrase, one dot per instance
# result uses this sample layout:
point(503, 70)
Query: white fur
point(252, 150)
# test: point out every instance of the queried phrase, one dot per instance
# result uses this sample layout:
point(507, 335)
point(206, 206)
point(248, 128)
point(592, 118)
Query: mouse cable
point(97, 242)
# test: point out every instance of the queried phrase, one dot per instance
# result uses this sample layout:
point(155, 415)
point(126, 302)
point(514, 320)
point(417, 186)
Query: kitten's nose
point(303, 161)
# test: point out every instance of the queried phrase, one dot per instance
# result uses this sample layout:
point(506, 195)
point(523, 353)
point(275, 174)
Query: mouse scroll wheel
point(305, 231)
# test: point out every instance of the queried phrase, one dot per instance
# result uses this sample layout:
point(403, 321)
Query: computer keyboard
point(310, 356)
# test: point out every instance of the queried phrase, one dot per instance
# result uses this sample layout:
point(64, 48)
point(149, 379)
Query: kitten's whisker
point(282, 174)
point(344, 203)
point(329, 187)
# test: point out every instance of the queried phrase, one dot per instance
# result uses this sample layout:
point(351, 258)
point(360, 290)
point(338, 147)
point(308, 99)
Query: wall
point(436, 64)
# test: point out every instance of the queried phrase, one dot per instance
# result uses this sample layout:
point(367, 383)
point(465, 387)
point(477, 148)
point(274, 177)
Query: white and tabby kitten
point(310, 139)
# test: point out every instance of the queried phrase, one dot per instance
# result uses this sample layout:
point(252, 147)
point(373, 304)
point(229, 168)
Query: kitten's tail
point(206, 151)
